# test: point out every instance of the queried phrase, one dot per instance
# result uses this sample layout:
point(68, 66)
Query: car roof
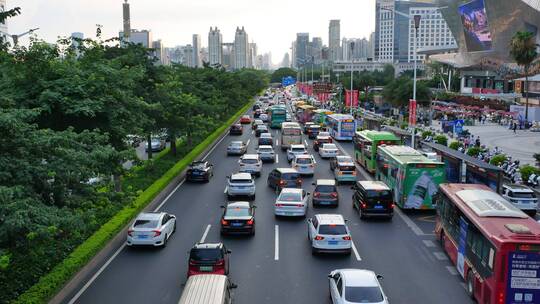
point(373, 185)
point(297, 146)
point(287, 170)
point(261, 127)
point(208, 245)
point(359, 277)
point(304, 156)
point(342, 157)
point(236, 142)
point(250, 156)
point(266, 146)
point(266, 135)
point(326, 182)
point(291, 190)
point(330, 219)
point(242, 175)
point(330, 145)
point(259, 121)
point(238, 205)
point(518, 188)
point(150, 215)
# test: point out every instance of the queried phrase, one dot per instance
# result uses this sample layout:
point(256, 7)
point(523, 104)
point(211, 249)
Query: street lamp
point(352, 68)
point(15, 38)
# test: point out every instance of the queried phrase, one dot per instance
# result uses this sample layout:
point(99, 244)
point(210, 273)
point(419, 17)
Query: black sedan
point(238, 217)
point(236, 129)
point(200, 171)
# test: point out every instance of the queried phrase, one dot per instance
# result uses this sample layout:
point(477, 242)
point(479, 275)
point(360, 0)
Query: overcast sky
point(272, 24)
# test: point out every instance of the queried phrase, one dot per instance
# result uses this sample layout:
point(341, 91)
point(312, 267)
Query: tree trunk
point(117, 182)
point(173, 144)
point(526, 95)
point(149, 145)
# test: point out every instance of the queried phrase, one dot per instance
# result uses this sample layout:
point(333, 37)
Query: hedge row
point(51, 283)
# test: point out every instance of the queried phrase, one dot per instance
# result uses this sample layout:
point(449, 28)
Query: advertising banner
point(462, 244)
point(523, 283)
point(412, 112)
point(354, 98)
point(421, 183)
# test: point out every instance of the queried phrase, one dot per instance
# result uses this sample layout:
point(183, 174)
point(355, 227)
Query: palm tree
point(523, 50)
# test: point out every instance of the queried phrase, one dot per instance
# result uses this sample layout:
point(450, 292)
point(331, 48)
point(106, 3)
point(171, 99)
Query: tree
point(400, 90)
point(523, 50)
point(282, 72)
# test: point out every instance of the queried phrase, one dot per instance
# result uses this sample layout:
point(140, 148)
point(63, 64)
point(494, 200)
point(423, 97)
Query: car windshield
point(241, 181)
point(329, 146)
point(344, 159)
point(303, 160)
point(237, 211)
point(332, 229)
point(206, 254)
point(290, 197)
point(249, 161)
point(261, 127)
point(146, 223)
point(363, 294)
point(380, 194)
point(324, 134)
point(199, 166)
point(522, 195)
point(325, 188)
point(236, 144)
point(295, 150)
point(346, 168)
point(265, 149)
point(266, 135)
point(290, 176)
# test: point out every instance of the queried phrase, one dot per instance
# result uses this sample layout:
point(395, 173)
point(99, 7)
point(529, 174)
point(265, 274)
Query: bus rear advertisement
point(278, 114)
point(341, 126)
point(494, 245)
point(291, 134)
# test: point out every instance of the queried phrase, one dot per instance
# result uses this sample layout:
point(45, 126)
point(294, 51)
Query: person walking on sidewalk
point(515, 127)
point(477, 142)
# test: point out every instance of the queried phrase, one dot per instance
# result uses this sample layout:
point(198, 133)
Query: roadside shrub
point(441, 140)
point(425, 134)
point(404, 125)
point(455, 145)
point(474, 151)
point(527, 170)
point(497, 160)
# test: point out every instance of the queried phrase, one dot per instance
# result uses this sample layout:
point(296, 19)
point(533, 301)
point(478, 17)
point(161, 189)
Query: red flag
point(354, 94)
point(412, 112)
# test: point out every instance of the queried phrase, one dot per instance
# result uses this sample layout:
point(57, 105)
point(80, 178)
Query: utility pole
point(352, 68)
point(416, 26)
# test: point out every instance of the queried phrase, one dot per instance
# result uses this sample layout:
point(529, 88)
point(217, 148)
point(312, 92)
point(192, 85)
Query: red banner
point(412, 112)
point(354, 98)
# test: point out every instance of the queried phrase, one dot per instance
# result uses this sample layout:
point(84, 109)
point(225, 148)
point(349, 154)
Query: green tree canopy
point(282, 72)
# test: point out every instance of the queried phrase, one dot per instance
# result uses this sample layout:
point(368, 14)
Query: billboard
point(475, 26)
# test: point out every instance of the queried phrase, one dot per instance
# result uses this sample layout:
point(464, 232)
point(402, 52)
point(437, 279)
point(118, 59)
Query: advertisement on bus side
point(523, 284)
point(420, 185)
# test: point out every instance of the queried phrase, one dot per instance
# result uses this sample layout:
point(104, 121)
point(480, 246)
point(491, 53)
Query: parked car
point(322, 138)
point(328, 150)
point(241, 184)
point(236, 148)
point(255, 123)
point(200, 171)
point(245, 119)
point(373, 198)
point(522, 197)
point(295, 150)
point(208, 258)
point(313, 131)
point(250, 163)
point(349, 286)
point(151, 229)
point(325, 193)
point(266, 139)
point(133, 140)
point(266, 153)
point(304, 164)
point(156, 144)
point(207, 289)
point(261, 129)
point(291, 202)
point(329, 233)
point(339, 159)
point(238, 217)
point(280, 178)
point(236, 129)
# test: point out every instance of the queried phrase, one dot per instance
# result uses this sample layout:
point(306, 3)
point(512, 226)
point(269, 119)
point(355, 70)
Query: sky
point(272, 24)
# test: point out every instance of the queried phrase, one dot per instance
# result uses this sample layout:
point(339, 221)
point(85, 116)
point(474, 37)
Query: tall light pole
point(352, 68)
point(312, 61)
point(416, 26)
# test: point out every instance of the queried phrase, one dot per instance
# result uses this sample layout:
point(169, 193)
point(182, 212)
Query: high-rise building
point(294, 64)
point(301, 49)
point(359, 49)
point(3, 25)
point(127, 21)
point(228, 55)
point(76, 35)
point(241, 49)
point(394, 33)
point(252, 62)
point(196, 43)
point(286, 62)
point(215, 48)
point(334, 38)
point(143, 37)
point(267, 61)
point(204, 55)
point(159, 52)
point(315, 50)
point(188, 56)
point(371, 45)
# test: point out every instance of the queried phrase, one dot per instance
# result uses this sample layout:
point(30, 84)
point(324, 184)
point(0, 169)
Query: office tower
point(204, 55)
point(159, 52)
point(315, 50)
point(127, 21)
point(286, 62)
point(252, 62)
point(267, 61)
point(196, 43)
point(188, 59)
point(228, 56)
point(143, 37)
point(241, 49)
point(293, 55)
point(334, 40)
point(301, 50)
point(215, 48)
point(371, 45)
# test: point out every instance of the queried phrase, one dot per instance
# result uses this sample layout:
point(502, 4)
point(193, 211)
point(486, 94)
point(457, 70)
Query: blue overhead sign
point(286, 81)
point(458, 126)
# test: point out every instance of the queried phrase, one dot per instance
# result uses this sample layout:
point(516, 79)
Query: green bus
point(278, 115)
point(365, 146)
point(414, 177)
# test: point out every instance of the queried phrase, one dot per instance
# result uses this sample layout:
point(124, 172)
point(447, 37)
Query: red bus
point(494, 245)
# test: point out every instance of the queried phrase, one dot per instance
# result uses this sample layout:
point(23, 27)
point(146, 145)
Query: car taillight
point(364, 205)
point(281, 182)
point(220, 262)
point(299, 205)
point(156, 233)
point(392, 205)
point(354, 172)
point(318, 238)
point(347, 238)
point(278, 205)
point(340, 173)
point(250, 222)
point(192, 263)
point(299, 181)
point(130, 232)
point(316, 194)
point(224, 222)
point(333, 194)
point(312, 165)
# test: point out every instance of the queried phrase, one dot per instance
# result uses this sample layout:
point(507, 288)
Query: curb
point(83, 276)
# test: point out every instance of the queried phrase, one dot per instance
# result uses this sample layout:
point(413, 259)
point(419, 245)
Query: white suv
point(329, 233)
point(304, 164)
point(250, 163)
point(241, 184)
point(295, 150)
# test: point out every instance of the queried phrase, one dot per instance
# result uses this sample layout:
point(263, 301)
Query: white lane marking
point(452, 270)
point(252, 132)
point(277, 158)
point(205, 233)
point(277, 142)
point(276, 243)
point(409, 222)
point(226, 188)
point(358, 258)
point(247, 144)
point(441, 256)
point(429, 243)
point(96, 275)
point(305, 141)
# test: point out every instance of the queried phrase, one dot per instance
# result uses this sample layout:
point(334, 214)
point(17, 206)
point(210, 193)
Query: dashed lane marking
point(226, 188)
point(277, 158)
point(203, 238)
point(276, 243)
point(429, 243)
point(452, 270)
point(441, 256)
point(358, 258)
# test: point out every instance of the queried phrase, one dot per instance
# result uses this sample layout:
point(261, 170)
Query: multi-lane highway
point(276, 265)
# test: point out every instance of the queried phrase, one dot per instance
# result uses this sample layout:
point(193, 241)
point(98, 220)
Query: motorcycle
point(534, 180)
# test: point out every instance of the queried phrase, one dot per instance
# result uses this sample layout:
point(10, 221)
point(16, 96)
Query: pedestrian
point(515, 127)
point(477, 142)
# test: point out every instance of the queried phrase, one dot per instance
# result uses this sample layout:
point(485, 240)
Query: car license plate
point(197, 173)
point(206, 268)
point(324, 203)
point(379, 207)
point(142, 236)
point(237, 224)
point(332, 242)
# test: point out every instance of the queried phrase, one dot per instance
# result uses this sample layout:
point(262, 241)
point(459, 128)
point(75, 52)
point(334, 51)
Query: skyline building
point(315, 50)
point(302, 49)
point(228, 55)
point(159, 52)
point(188, 56)
point(253, 56)
point(334, 39)
point(215, 48)
point(359, 49)
point(143, 37)
point(196, 43)
point(241, 49)
point(286, 62)
point(126, 21)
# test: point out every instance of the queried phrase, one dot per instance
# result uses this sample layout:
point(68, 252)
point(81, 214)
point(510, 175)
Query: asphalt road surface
point(276, 265)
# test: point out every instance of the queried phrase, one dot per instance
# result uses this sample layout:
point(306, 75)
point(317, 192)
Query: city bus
point(414, 177)
point(319, 116)
point(278, 115)
point(365, 146)
point(341, 126)
point(494, 246)
point(291, 134)
point(304, 113)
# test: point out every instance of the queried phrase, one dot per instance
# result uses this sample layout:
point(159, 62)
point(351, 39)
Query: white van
point(207, 289)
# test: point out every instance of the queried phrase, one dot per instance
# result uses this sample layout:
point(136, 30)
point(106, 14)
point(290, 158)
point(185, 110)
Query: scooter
point(534, 180)
point(516, 177)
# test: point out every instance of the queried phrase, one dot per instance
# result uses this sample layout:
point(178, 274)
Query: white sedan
point(304, 164)
point(328, 150)
point(151, 229)
point(291, 202)
point(348, 286)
